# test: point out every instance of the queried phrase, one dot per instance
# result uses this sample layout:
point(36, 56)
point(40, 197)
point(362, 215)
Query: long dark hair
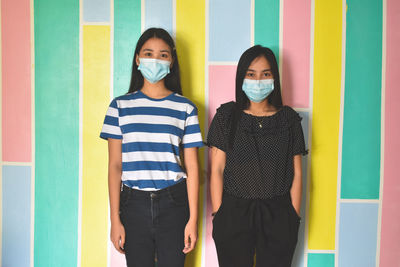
point(172, 80)
point(275, 98)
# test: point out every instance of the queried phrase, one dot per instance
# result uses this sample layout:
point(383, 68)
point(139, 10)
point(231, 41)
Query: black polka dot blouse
point(259, 163)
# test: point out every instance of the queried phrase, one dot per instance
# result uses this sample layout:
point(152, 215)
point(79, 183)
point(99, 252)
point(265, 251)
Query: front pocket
point(293, 211)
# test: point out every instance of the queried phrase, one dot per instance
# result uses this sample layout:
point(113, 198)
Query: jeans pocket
point(124, 197)
point(178, 198)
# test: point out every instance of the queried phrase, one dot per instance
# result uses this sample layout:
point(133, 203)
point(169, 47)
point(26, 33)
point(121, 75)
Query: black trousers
point(154, 225)
point(243, 228)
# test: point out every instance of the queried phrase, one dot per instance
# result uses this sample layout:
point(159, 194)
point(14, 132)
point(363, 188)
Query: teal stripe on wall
point(362, 102)
point(56, 132)
point(127, 30)
point(321, 259)
point(266, 25)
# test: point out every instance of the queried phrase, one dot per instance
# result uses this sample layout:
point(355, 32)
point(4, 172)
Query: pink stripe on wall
point(16, 80)
point(296, 53)
point(390, 228)
point(116, 259)
point(221, 90)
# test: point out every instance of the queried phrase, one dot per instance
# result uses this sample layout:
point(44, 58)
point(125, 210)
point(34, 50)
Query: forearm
point(193, 194)
point(295, 193)
point(114, 190)
point(218, 161)
point(296, 189)
point(216, 188)
point(192, 181)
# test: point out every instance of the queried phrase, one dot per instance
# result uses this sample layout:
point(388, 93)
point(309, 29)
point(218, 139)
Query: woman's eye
point(164, 55)
point(147, 54)
point(250, 74)
point(267, 74)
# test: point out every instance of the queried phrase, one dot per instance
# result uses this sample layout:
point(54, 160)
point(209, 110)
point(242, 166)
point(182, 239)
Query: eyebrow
point(148, 49)
point(263, 70)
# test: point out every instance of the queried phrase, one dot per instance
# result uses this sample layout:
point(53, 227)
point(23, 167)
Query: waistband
point(279, 198)
point(180, 186)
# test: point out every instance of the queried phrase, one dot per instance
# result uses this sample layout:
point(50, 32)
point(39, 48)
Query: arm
point(192, 167)
point(114, 188)
point(218, 159)
point(295, 190)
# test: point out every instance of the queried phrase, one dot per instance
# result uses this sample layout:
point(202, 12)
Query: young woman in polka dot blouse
point(256, 148)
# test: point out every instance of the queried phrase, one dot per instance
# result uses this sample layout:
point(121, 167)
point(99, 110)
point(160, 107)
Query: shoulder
point(125, 97)
point(290, 114)
point(189, 106)
point(225, 109)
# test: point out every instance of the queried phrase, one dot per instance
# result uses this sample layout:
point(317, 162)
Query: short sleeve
point(216, 137)
point(192, 134)
point(299, 146)
point(111, 127)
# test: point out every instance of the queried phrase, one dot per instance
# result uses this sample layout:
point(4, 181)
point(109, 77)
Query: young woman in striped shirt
point(154, 211)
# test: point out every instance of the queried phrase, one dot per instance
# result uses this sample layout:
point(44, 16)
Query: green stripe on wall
point(127, 17)
point(56, 132)
point(321, 259)
point(362, 102)
point(266, 24)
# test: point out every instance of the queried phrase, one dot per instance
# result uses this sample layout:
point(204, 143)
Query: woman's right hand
point(118, 236)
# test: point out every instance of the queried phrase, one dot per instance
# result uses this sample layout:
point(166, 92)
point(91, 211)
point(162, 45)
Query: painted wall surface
point(63, 61)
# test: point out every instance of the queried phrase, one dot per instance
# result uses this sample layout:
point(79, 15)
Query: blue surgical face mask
point(154, 70)
point(257, 90)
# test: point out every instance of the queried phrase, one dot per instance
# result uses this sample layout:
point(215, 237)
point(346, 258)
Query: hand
point(117, 236)
point(190, 236)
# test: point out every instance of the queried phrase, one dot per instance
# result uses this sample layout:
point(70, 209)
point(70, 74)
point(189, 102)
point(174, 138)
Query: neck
point(155, 90)
point(262, 108)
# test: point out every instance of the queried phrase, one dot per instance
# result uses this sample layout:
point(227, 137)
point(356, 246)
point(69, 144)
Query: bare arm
point(114, 189)
point(218, 161)
point(295, 190)
point(192, 168)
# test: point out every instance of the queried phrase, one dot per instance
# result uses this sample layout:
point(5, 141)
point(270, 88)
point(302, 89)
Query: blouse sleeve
point(299, 146)
point(192, 134)
point(216, 137)
point(111, 128)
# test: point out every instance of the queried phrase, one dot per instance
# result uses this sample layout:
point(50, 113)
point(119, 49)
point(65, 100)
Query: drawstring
point(258, 211)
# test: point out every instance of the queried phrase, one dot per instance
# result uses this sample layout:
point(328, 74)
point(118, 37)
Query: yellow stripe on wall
point(96, 97)
point(325, 124)
point(190, 42)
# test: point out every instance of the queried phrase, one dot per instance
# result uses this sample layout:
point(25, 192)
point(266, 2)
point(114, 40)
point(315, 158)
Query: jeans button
point(152, 195)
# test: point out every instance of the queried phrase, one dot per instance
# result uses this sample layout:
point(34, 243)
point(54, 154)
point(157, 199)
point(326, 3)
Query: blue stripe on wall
point(158, 13)
point(16, 230)
point(229, 30)
point(358, 234)
point(96, 10)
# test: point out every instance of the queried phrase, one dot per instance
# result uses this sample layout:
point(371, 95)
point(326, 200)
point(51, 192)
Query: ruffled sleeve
point(297, 135)
point(218, 132)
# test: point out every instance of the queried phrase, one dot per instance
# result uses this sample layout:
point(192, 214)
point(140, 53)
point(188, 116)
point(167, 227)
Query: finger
point(187, 244)
point(117, 247)
point(193, 241)
point(122, 241)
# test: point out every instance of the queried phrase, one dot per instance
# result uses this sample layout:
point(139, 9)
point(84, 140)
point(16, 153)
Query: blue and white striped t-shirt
point(151, 131)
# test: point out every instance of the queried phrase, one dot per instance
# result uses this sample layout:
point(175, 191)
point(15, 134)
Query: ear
point(137, 59)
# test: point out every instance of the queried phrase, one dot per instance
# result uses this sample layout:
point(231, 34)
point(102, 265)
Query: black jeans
point(244, 227)
point(154, 225)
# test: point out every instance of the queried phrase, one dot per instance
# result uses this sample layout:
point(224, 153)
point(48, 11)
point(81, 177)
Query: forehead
point(260, 63)
point(155, 44)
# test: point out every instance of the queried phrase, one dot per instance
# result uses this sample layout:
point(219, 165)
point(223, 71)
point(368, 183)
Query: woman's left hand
point(190, 236)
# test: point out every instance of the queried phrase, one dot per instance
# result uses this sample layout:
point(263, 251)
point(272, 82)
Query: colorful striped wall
point(63, 61)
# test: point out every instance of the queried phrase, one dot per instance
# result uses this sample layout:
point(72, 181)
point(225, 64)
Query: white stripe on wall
point(382, 165)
